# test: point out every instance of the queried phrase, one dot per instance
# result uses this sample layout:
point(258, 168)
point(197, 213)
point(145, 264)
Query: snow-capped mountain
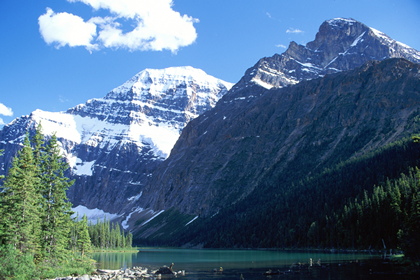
point(305, 107)
point(113, 143)
point(341, 44)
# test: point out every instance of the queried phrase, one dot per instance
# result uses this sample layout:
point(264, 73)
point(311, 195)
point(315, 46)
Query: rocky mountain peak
point(113, 143)
point(173, 96)
point(156, 82)
point(341, 44)
point(335, 37)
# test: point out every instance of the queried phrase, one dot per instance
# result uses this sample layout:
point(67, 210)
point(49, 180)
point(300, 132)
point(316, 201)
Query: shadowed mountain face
point(258, 129)
point(283, 134)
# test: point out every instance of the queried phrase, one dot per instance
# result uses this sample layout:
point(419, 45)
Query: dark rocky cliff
point(227, 152)
point(260, 132)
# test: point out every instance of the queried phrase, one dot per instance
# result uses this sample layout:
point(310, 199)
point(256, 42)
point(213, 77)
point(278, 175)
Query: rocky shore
point(126, 274)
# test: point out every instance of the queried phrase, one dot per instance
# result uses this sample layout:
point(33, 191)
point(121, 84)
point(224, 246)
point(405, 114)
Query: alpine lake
point(255, 264)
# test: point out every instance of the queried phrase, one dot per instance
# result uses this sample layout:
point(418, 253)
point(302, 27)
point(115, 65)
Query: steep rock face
point(340, 45)
point(113, 143)
point(224, 154)
point(282, 134)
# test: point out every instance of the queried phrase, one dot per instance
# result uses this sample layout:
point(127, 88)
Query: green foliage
point(83, 240)
point(74, 264)
point(409, 234)
point(381, 218)
point(15, 265)
point(106, 235)
point(56, 214)
point(365, 202)
point(35, 215)
point(20, 203)
point(1, 153)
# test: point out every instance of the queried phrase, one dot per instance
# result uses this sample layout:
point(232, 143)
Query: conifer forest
point(39, 237)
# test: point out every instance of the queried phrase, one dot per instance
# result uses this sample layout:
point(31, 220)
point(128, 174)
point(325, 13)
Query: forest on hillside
point(369, 202)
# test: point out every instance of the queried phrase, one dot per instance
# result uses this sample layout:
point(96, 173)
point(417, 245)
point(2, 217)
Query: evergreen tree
point(20, 203)
point(56, 215)
point(409, 235)
point(35, 216)
point(1, 153)
point(107, 235)
point(83, 240)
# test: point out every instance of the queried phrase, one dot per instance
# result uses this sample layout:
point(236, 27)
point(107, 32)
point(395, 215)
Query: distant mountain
point(113, 143)
point(340, 44)
point(290, 116)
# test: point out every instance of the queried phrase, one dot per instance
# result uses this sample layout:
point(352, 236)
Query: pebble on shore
point(121, 274)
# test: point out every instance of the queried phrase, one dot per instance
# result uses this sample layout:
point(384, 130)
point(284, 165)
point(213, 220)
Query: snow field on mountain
point(93, 215)
point(94, 132)
point(158, 81)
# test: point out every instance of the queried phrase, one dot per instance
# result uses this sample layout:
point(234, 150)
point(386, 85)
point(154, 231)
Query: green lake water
point(251, 264)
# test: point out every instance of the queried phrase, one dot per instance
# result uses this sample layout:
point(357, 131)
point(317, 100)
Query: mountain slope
point(256, 135)
point(284, 135)
point(113, 143)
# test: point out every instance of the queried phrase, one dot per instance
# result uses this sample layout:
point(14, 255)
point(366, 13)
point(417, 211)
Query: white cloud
point(281, 46)
point(66, 29)
point(293, 30)
point(5, 111)
point(156, 26)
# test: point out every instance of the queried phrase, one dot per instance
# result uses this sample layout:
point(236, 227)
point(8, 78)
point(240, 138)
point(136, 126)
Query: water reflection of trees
point(108, 260)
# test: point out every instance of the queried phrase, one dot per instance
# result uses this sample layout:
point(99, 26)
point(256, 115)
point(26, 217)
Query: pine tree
point(56, 214)
point(83, 241)
point(1, 153)
point(35, 215)
point(20, 203)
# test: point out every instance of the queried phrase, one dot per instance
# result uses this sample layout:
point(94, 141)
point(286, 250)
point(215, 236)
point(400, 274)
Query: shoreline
point(393, 268)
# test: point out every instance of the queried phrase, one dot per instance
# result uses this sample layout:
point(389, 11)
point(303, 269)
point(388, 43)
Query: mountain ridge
point(113, 143)
point(340, 44)
point(274, 132)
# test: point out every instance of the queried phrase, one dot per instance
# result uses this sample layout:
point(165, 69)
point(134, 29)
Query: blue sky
point(55, 54)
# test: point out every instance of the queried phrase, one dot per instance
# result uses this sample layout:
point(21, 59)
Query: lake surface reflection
point(251, 264)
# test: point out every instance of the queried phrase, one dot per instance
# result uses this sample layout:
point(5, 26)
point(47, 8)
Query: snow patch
point(62, 124)
point(93, 215)
point(262, 83)
point(195, 218)
point(83, 168)
point(124, 223)
point(154, 216)
point(136, 197)
point(404, 48)
point(358, 39)
point(337, 21)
